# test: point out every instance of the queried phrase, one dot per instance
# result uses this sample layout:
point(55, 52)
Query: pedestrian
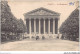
point(37, 37)
point(43, 37)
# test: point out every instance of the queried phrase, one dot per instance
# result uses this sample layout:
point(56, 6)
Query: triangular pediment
point(42, 11)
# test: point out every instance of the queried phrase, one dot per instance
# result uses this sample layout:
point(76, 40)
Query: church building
point(42, 22)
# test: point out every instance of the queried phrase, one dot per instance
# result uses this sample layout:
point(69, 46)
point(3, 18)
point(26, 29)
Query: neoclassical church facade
point(42, 22)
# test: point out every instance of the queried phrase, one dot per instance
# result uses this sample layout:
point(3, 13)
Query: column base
point(41, 35)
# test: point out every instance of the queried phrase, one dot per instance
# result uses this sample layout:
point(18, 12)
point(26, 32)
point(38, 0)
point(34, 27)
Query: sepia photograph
point(39, 25)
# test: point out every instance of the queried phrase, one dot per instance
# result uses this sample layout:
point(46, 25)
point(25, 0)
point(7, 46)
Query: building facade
point(42, 22)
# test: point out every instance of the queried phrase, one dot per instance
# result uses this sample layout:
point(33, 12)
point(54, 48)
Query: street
point(41, 45)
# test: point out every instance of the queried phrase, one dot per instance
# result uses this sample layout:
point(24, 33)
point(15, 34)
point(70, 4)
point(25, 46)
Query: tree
point(9, 23)
point(7, 18)
point(71, 26)
point(21, 27)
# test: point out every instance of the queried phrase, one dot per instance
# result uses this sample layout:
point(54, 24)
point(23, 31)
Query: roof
point(42, 11)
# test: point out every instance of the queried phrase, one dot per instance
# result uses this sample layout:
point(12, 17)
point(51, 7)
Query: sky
point(64, 7)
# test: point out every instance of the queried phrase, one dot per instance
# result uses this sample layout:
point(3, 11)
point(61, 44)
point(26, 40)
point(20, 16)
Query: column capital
point(53, 19)
point(45, 18)
point(29, 18)
point(48, 18)
point(34, 19)
point(39, 18)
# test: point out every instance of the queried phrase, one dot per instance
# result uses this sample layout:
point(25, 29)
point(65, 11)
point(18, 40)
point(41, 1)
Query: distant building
point(42, 22)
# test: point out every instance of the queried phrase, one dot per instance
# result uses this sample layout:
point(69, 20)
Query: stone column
point(53, 26)
point(35, 26)
point(58, 24)
point(30, 26)
point(44, 26)
point(39, 26)
point(49, 26)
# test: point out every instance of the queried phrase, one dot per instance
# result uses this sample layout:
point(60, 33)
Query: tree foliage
point(70, 28)
point(21, 26)
point(9, 23)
